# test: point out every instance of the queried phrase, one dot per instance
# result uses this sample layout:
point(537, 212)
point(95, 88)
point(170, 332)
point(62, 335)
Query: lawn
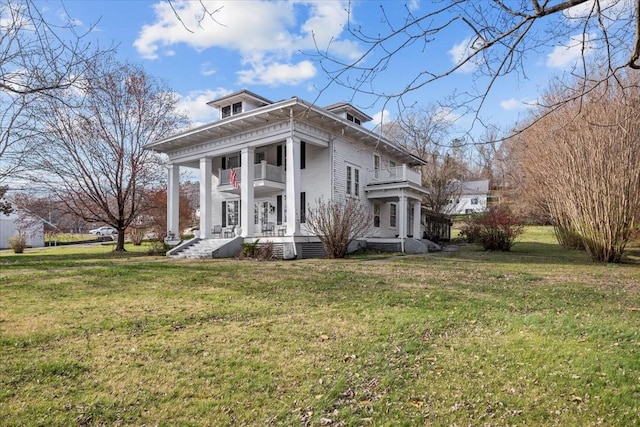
point(539, 336)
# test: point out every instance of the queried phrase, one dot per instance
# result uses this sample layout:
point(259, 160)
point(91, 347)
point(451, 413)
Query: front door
point(261, 214)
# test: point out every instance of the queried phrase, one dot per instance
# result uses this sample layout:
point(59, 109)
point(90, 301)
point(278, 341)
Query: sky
point(270, 48)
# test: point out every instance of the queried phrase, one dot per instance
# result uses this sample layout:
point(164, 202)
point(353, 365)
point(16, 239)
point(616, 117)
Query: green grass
point(539, 336)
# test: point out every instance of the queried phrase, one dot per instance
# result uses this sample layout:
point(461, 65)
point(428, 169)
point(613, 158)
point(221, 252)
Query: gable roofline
point(280, 111)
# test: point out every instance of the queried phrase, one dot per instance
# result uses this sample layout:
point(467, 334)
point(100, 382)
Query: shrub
point(249, 250)
point(136, 235)
point(257, 250)
point(158, 248)
point(18, 243)
point(338, 223)
point(495, 230)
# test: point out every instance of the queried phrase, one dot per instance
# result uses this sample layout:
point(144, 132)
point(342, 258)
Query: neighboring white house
point(296, 153)
point(10, 226)
point(471, 197)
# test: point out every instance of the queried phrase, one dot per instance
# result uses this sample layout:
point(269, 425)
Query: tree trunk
point(120, 243)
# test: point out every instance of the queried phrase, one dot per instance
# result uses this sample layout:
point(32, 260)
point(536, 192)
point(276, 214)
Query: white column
point(293, 186)
point(173, 200)
point(417, 211)
point(206, 207)
point(402, 217)
point(246, 191)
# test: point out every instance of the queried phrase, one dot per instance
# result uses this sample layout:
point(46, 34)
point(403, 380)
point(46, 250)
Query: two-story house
point(263, 165)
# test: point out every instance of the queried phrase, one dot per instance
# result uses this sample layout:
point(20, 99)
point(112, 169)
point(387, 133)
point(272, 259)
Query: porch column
point(402, 216)
point(246, 191)
point(206, 208)
point(417, 211)
point(173, 200)
point(293, 186)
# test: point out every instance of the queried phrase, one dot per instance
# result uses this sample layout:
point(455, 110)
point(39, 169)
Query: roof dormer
point(238, 102)
point(349, 112)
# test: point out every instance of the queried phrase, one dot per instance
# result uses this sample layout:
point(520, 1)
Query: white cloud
point(446, 115)
point(207, 69)
point(611, 10)
point(460, 52)
point(195, 105)
point(267, 36)
point(568, 54)
point(511, 104)
point(277, 73)
point(381, 118)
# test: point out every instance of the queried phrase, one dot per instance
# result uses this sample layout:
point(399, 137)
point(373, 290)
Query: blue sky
point(268, 47)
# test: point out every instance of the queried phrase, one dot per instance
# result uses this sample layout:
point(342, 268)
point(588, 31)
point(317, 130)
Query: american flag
point(233, 178)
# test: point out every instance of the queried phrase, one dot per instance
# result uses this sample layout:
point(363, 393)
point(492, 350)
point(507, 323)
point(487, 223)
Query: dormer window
point(234, 109)
point(353, 119)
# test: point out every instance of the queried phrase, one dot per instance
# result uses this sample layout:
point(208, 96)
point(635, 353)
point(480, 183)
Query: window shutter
point(279, 209)
point(279, 155)
point(224, 214)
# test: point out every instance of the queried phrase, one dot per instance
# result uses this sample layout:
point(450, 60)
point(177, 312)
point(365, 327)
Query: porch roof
point(293, 108)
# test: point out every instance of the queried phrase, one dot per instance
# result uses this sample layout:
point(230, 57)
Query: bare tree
point(37, 59)
point(92, 157)
point(502, 34)
point(5, 205)
point(337, 223)
point(584, 159)
point(424, 131)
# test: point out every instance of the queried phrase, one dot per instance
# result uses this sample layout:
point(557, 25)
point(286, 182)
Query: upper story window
point(474, 200)
point(353, 119)
point(353, 181)
point(234, 109)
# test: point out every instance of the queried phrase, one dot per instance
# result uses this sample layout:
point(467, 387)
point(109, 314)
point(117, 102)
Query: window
point(279, 209)
point(376, 216)
point(259, 156)
point(474, 200)
point(303, 155)
point(230, 213)
point(356, 182)
point(376, 166)
point(393, 215)
point(237, 108)
point(226, 111)
point(303, 207)
point(353, 119)
point(353, 181)
point(230, 162)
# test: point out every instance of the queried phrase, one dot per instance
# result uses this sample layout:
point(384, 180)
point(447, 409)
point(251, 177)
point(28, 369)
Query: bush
point(18, 243)
point(158, 248)
point(136, 235)
point(257, 250)
point(495, 230)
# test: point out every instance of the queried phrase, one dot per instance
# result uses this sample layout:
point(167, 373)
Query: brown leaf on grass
point(324, 337)
point(418, 404)
point(576, 399)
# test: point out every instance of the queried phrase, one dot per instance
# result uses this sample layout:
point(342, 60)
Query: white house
point(471, 197)
point(263, 164)
point(10, 226)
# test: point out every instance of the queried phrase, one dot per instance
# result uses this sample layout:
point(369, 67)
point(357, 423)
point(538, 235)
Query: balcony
point(393, 175)
point(266, 178)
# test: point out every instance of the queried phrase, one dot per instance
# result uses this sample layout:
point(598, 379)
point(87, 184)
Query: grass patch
point(538, 336)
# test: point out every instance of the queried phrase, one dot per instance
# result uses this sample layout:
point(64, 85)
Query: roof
point(475, 187)
point(345, 106)
point(274, 112)
point(241, 95)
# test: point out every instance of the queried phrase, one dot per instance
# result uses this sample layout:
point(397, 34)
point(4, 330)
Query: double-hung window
point(353, 181)
point(393, 215)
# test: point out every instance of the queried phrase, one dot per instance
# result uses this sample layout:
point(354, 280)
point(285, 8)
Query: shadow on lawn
point(11, 260)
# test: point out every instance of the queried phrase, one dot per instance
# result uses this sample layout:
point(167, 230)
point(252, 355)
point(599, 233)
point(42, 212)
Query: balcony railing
point(262, 172)
point(394, 174)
